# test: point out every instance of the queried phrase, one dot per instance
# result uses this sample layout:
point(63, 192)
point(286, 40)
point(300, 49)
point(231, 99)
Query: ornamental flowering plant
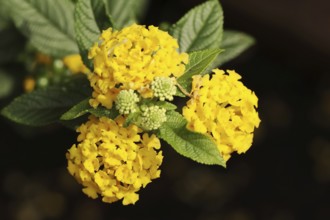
point(126, 101)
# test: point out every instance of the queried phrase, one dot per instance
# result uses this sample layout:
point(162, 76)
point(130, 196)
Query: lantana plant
point(133, 80)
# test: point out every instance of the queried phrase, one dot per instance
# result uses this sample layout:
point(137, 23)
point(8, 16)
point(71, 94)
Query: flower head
point(130, 59)
point(152, 118)
point(112, 161)
point(163, 88)
point(224, 109)
point(126, 101)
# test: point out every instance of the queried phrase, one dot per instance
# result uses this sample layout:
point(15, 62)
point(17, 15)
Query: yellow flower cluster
point(130, 59)
point(224, 109)
point(113, 161)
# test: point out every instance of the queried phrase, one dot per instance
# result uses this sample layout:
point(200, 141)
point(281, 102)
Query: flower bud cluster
point(126, 101)
point(163, 88)
point(152, 117)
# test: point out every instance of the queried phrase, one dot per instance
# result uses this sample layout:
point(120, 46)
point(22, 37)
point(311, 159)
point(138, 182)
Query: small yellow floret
point(29, 84)
point(130, 59)
point(224, 109)
point(75, 64)
point(112, 161)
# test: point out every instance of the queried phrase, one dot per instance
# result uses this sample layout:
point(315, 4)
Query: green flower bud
point(58, 64)
point(126, 101)
point(163, 88)
point(152, 118)
point(43, 82)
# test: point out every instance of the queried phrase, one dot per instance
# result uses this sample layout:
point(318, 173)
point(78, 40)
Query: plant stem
point(183, 90)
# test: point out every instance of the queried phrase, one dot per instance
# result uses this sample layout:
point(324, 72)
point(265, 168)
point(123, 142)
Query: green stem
point(182, 89)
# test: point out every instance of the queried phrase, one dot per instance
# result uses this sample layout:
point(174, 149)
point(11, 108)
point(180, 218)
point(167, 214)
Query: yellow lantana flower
point(224, 109)
point(112, 161)
point(75, 64)
point(130, 59)
point(29, 84)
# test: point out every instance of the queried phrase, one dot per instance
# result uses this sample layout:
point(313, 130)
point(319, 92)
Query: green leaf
point(124, 13)
point(101, 16)
point(131, 118)
point(140, 9)
point(166, 105)
point(234, 43)
point(84, 107)
point(104, 112)
point(48, 24)
point(201, 28)
point(76, 111)
point(45, 106)
point(87, 31)
point(198, 62)
point(195, 146)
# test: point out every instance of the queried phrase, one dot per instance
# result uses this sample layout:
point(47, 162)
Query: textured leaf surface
point(163, 104)
point(100, 14)
point(45, 106)
point(104, 112)
point(83, 108)
point(166, 105)
point(124, 13)
point(201, 28)
point(193, 145)
point(198, 62)
point(131, 118)
point(234, 43)
point(76, 111)
point(47, 23)
point(87, 31)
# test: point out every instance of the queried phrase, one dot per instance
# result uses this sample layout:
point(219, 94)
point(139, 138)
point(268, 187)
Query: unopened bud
point(126, 101)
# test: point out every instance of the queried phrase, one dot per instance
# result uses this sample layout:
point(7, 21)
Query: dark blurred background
point(284, 176)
